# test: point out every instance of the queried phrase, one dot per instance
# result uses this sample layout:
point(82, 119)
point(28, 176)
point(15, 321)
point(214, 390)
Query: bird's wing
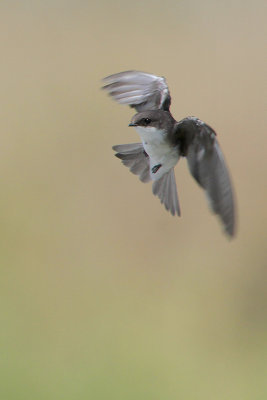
point(134, 157)
point(139, 90)
point(207, 165)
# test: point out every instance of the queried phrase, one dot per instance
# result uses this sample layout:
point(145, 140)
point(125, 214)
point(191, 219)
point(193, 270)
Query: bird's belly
point(162, 155)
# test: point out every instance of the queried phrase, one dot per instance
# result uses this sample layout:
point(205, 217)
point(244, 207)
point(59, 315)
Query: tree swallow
point(164, 141)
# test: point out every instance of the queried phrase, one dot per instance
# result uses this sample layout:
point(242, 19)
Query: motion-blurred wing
point(207, 165)
point(139, 90)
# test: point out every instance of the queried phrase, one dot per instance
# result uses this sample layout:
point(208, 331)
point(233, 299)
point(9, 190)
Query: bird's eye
point(147, 121)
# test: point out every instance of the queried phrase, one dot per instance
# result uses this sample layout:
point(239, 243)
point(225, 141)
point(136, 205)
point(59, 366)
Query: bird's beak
point(131, 124)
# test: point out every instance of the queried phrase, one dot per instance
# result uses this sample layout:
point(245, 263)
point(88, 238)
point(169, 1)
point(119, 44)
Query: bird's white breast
point(158, 149)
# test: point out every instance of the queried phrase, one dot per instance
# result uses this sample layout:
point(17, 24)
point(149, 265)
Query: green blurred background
point(104, 295)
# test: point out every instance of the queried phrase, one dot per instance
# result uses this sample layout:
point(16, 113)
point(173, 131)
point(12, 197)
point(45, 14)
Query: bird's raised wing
point(139, 90)
point(206, 164)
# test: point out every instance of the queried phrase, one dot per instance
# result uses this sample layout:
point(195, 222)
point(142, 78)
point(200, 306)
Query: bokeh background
point(104, 295)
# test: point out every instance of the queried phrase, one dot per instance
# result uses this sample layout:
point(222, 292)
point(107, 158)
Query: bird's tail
point(165, 189)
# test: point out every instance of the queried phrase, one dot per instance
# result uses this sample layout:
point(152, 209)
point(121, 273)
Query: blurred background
point(105, 295)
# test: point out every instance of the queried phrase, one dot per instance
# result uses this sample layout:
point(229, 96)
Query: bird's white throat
point(151, 135)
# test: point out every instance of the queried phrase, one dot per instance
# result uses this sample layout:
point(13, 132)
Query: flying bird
point(164, 140)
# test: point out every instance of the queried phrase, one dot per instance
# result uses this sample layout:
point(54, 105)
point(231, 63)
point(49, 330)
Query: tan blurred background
point(104, 295)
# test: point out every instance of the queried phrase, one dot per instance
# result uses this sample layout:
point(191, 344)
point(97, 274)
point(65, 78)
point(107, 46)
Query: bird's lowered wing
point(139, 90)
point(207, 165)
point(134, 157)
